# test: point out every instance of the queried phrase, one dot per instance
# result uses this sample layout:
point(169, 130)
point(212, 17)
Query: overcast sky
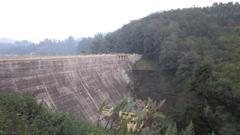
point(35, 20)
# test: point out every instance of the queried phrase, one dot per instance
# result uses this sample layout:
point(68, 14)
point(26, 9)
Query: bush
point(20, 114)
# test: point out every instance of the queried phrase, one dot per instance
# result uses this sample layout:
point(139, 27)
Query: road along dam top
point(74, 84)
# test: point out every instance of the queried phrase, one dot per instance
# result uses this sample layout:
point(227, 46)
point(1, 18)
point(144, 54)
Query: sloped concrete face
point(76, 84)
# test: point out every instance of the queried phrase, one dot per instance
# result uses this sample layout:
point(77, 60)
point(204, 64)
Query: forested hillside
point(200, 49)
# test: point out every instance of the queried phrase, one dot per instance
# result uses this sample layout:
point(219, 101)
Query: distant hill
point(8, 41)
point(45, 47)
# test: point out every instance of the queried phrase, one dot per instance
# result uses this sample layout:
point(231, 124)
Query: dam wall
point(74, 84)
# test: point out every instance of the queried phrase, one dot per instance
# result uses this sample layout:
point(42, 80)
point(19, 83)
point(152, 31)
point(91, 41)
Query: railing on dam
point(122, 57)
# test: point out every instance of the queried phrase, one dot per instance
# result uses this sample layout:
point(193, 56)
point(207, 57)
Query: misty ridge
point(46, 47)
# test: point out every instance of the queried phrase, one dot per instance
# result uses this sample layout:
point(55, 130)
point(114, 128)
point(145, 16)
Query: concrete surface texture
point(74, 84)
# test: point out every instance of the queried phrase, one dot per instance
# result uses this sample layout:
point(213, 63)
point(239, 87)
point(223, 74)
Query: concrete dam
point(74, 84)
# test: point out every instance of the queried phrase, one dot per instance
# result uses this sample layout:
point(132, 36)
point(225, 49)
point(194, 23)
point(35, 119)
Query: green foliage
point(179, 40)
point(212, 133)
point(189, 130)
point(200, 49)
point(213, 106)
point(148, 121)
point(20, 114)
point(171, 130)
point(146, 64)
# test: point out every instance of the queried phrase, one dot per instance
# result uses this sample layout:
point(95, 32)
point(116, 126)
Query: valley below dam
point(74, 84)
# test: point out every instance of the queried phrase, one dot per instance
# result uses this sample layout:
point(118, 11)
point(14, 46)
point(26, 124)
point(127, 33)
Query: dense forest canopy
point(200, 49)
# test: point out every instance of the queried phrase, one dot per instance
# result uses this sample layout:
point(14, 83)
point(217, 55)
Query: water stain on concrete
point(74, 84)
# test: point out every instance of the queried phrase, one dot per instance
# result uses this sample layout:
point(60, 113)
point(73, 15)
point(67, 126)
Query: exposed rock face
point(76, 84)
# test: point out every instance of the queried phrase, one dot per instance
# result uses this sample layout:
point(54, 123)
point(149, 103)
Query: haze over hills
point(6, 40)
point(46, 47)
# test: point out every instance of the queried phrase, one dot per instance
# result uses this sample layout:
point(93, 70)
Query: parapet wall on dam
point(74, 84)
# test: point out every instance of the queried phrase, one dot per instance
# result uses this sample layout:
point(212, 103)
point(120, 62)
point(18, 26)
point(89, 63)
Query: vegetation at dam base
point(199, 48)
point(20, 114)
